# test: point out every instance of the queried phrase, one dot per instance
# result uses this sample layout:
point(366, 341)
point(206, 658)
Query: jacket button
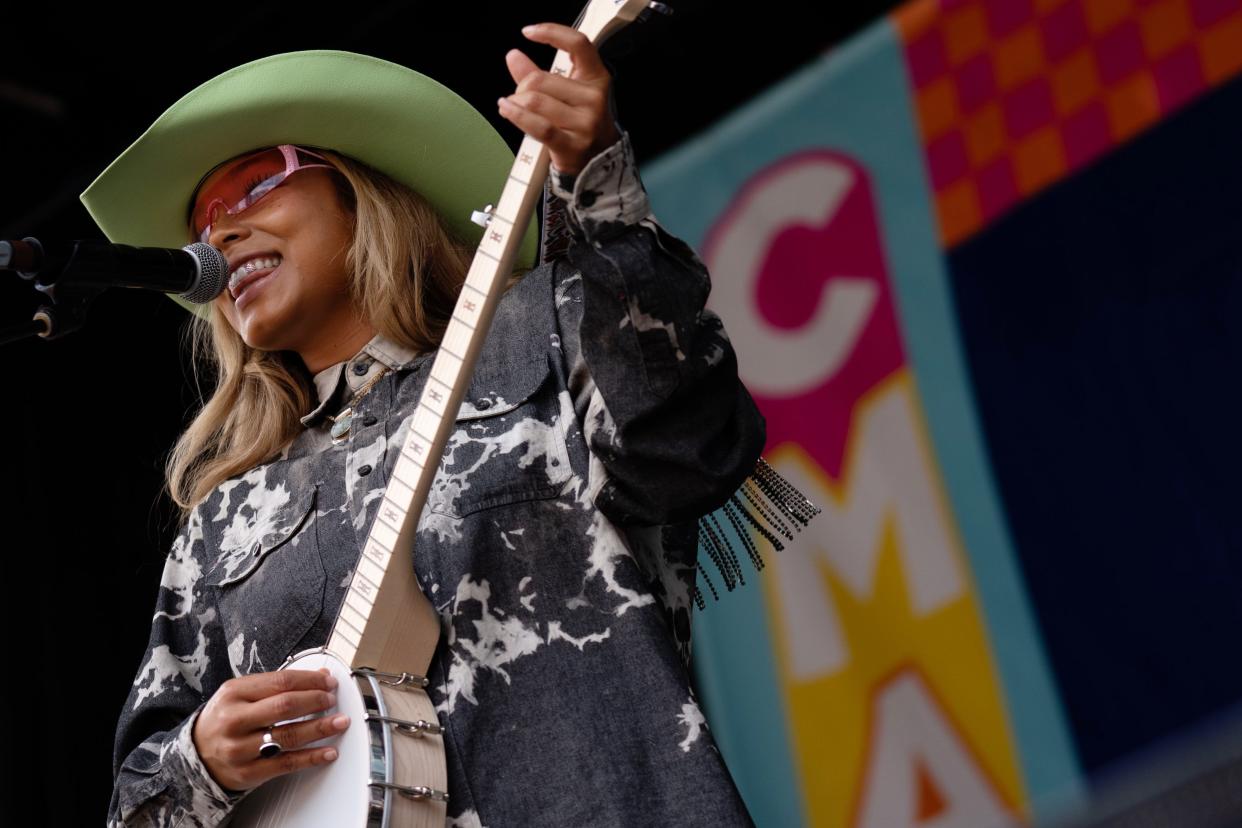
point(483, 404)
point(369, 420)
point(360, 368)
point(258, 547)
point(363, 471)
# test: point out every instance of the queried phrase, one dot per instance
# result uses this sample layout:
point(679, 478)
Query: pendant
point(340, 425)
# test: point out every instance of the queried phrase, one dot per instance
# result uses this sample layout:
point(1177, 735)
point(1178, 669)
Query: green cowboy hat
point(397, 120)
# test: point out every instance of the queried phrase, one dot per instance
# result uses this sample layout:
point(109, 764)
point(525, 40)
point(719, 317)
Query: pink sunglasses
point(247, 180)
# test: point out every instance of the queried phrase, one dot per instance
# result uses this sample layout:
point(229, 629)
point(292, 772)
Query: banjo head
point(337, 793)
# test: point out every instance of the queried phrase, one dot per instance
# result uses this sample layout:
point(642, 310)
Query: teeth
point(251, 266)
point(255, 264)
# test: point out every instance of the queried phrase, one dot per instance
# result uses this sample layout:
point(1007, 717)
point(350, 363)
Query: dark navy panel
point(1103, 327)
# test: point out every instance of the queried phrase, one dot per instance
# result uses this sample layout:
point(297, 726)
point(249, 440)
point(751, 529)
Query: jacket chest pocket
point(270, 591)
point(508, 444)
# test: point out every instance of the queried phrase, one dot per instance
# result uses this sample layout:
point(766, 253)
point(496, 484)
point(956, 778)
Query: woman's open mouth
point(253, 285)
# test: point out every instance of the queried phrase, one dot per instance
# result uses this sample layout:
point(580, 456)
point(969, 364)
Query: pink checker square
point(976, 84)
point(1028, 108)
point(996, 187)
point(1178, 77)
point(1004, 16)
point(1086, 135)
point(1119, 52)
point(1063, 30)
point(1207, 12)
point(926, 57)
point(947, 159)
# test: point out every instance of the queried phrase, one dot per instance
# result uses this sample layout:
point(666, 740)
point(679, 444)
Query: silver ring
point(270, 746)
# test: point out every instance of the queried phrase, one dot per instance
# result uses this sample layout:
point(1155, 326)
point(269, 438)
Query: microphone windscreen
point(213, 273)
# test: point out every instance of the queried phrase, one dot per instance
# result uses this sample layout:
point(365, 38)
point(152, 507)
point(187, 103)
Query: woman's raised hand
point(230, 728)
point(568, 115)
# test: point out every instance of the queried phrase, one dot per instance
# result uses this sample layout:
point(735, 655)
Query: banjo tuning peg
point(482, 217)
point(654, 7)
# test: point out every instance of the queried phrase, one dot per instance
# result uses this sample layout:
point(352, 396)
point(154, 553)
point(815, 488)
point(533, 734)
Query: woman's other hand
point(230, 728)
point(568, 115)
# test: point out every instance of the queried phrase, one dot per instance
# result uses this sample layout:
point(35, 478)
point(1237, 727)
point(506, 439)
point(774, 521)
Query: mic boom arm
point(72, 276)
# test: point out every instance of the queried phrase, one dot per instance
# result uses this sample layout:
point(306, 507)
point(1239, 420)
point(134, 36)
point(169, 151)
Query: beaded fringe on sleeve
point(556, 236)
point(766, 505)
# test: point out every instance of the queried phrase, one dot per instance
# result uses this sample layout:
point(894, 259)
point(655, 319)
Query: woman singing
point(558, 543)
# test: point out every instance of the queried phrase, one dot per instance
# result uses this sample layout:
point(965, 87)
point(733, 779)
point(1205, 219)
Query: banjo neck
point(386, 622)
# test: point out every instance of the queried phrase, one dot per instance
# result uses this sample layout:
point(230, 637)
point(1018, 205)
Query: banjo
point(391, 769)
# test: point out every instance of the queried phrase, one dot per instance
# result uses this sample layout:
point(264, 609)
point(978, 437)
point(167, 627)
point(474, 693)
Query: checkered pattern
point(1013, 95)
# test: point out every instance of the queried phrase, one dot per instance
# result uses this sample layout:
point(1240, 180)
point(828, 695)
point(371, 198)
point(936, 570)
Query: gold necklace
point(344, 418)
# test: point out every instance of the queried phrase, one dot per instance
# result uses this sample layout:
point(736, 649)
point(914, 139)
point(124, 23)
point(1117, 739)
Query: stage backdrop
point(981, 265)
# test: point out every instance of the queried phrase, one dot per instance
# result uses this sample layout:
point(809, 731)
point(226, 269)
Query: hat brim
point(395, 119)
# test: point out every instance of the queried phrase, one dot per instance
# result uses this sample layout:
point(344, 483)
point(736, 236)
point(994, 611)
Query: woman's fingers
point(258, 686)
point(547, 122)
point(528, 76)
point(553, 110)
point(253, 774)
point(229, 730)
point(290, 738)
point(281, 708)
point(569, 115)
point(246, 767)
point(588, 66)
point(303, 733)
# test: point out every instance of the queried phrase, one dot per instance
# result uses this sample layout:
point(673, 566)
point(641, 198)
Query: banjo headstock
point(599, 19)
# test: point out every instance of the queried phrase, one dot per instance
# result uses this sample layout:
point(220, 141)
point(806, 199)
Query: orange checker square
point(1221, 49)
point(1132, 105)
point(1039, 159)
point(1165, 26)
point(1049, 5)
point(937, 105)
point(985, 135)
point(1018, 57)
point(914, 18)
point(959, 211)
point(965, 33)
point(1102, 15)
point(1075, 82)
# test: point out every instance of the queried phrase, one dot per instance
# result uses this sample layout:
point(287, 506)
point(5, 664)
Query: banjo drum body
point(385, 774)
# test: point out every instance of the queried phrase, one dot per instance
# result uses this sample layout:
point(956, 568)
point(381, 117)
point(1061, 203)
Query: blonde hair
point(406, 268)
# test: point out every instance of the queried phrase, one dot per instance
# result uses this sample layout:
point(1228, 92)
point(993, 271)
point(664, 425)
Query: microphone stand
point(69, 302)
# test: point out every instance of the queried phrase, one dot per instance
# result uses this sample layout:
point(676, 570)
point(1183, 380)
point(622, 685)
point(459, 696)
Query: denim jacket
point(558, 544)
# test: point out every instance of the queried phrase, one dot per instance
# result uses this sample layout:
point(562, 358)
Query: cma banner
point(889, 667)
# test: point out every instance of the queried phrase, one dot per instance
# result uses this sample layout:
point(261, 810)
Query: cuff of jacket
point(606, 196)
point(209, 803)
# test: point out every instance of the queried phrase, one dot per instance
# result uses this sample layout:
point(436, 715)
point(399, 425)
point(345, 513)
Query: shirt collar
point(354, 372)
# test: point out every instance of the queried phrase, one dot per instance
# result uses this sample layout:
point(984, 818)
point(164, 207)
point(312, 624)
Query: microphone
point(197, 272)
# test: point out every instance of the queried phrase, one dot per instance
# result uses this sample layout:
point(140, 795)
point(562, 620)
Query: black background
point(88, 419)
